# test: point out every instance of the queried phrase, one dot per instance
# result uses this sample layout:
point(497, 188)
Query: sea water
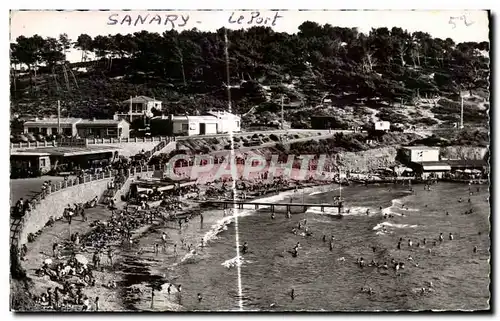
point(325, 280)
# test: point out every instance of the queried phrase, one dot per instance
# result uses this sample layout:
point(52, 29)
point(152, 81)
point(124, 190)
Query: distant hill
point(388, 74)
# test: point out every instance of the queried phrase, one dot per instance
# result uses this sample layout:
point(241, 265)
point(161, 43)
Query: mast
point(340, 184)
point(130, 109)
point(461, 111)
point(226, 51)
point(59, 117)
point(282, 117)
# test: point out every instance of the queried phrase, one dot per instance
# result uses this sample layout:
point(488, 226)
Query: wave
point(394, 225)
point(396, 205)
point(353, 211)
point(234, 262)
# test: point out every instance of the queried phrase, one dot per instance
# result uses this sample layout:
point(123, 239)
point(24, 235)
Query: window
point(42, 162)
point(67, 132)
point(43, 131)
point(54, 130)
point(237, 123)
point(111, 132)
point(185, 127)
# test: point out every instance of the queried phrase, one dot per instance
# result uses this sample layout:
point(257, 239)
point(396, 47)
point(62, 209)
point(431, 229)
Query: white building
point(213, 123)
point(194, 125)
point(103, 128)
point(382, 126)
point(420, 154)
point(49, 126)
point(227, 122)
point(138, 107)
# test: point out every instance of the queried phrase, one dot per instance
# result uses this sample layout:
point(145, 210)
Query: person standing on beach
point(292, 294)
point(110, 257)
point(156, 249)
point(54, 250)
point(175, 249)
point(201, 218)
point(96, 304)
point(164, 241)
point(199, 297)
point(152, 297)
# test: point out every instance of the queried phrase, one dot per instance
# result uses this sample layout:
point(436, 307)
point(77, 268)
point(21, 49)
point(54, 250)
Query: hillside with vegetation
point(387, 74)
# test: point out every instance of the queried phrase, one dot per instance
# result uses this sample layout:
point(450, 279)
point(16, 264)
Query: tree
point(84, 43)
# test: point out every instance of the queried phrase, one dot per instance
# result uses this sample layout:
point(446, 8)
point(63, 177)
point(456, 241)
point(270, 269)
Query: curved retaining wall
point(54, 204)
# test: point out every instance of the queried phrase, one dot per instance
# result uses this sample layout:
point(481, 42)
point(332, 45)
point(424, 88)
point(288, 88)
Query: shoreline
point(115, 274)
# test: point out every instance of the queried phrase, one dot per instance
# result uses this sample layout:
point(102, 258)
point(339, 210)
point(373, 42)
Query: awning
point(436, 168)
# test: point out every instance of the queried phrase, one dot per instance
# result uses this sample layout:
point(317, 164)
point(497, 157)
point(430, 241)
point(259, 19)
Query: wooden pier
point(240, 203)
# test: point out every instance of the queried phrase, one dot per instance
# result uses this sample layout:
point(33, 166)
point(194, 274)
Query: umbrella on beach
point(82, 259)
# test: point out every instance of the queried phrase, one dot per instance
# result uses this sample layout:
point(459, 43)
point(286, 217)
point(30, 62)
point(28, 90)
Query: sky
point(458, 25)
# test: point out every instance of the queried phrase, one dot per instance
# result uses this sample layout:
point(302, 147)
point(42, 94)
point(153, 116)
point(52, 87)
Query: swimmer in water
point(441, 238)
point(425, 241)
point(410, 243)
point(324, 238)
point(399, 245)
point(385, 216)
point(245, 248)
point(199, 297)
point(447, 213)
point(292, 294)
point(368, 212)
point(331, 246)
point(451, 237)
point(475, 249)
point(272, 216)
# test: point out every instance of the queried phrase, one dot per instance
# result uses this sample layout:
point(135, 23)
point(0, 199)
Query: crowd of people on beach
point(67, 265)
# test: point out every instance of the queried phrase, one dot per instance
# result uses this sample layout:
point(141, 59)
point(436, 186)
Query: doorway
point(203, 128)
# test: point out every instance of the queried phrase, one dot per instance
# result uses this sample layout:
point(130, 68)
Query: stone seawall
point(54, 205)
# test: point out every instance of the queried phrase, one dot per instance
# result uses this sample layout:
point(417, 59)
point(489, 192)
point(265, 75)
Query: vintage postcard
point(272, 160)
